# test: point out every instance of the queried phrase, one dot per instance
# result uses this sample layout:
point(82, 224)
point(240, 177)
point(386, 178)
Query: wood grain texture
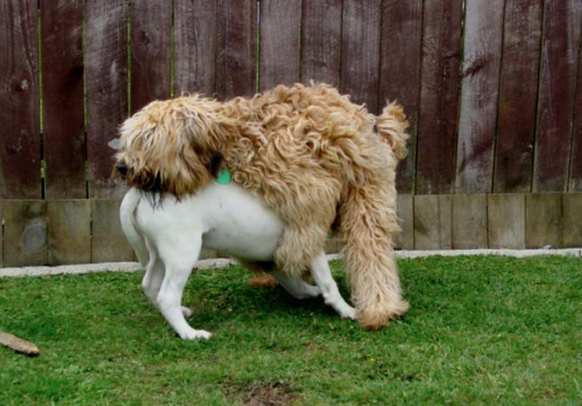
point(560, 46)
point(572, 223)
point(506, 221)
point(543, 220)
point(469, 221)
point(400, 52)
point(405, 213)
point(1, 233)
point(575, 172)
point(360, 56)
point(108, 243)
point(280, 43)
point(518, 95)
point(151, 51)
point(106, 82)
point(236, 68)
point(194, 46)
point(69, 236)
point(321, 41)
point(63, 115)
point(439, 96)
point(478, 111)
point(19, 101)
point(25, 233)
point(433, 222)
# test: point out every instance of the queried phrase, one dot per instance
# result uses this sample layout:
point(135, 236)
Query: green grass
point(481, 331)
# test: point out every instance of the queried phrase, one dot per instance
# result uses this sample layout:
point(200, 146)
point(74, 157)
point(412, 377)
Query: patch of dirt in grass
point(271, 394)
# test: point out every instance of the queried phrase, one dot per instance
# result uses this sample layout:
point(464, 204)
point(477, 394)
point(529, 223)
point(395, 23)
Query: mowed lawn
point(481, 331)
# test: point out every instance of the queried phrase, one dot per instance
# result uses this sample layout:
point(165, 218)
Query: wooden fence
point(491, 89)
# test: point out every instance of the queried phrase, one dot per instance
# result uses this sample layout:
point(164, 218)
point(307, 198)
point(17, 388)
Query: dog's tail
point(391, 126)
point(127, 217)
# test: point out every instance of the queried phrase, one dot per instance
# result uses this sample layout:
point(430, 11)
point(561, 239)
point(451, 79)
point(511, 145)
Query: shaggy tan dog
point(313, 156)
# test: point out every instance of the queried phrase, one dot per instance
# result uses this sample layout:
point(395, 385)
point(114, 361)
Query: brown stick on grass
point(18, 344)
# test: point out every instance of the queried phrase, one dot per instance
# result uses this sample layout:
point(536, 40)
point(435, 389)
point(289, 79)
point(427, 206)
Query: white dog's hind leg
point(180, 260)
point(329, 290)
point(296, 287)
point(153, 278)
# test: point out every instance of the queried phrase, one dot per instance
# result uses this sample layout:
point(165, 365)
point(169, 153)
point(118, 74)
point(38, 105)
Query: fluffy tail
point(391, 126)
point(126, 215)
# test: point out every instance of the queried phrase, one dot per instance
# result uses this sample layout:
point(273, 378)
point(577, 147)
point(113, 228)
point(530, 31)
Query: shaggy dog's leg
point(323, 278)
point(369, 223)
point(179, 258)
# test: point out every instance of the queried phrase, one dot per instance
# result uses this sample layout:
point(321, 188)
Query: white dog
point(167, 237)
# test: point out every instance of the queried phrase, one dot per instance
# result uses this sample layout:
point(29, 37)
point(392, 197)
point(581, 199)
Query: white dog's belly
point(231, 220)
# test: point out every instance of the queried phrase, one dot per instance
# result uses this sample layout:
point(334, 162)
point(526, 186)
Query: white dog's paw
point(191, 334)
point(186, 311)
point(347, 312)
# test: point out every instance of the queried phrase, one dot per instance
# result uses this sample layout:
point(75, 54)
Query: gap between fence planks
point(18, 344)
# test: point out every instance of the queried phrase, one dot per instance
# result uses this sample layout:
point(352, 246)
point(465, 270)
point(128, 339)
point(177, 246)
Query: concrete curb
point(222, 262)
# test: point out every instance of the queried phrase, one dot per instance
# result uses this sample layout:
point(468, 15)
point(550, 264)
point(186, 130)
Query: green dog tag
point(223, 177)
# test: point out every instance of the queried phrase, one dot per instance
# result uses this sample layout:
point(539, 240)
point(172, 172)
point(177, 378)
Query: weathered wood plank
point(19, 101)
point(194, 46)
point(560, 45)
point(108, 243)
point(236, 69)
point(360, 56)
point(63, 115)
point(25, 232)
point(106, 81)
point(543, 220)
point(575, 177)
point(433, 222)
point(480, 84)
point(1, 233)
point(405, 213)
point(400, 73)
point(572, 223)
point(439, 96)
point(506, 221)
point(151, 51)
point(280, 42)
point(321, 41)
point(517, 98)
point(469, 221)
point(69, 232)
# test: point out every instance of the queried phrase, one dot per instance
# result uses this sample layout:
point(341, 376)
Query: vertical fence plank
point(194, 46)
point(439, 96)
point(19, 100)
point(360, 56)
point(560, 47)
point(25, 232)
point(69, 232)
point(575, 172)
point(405, 213)
point(108, 243)
point(151, 51)
point(400, 73)
point(432, 222)
point(280, 40)
point(321, 41)
point(236, 68)
point(1, 233)
point(63, 115)
point(572, 213)
point(469, 221)
point(480, 84)
point(517, 96)
point(106, 81)
point(543, 220)
point(506, 219)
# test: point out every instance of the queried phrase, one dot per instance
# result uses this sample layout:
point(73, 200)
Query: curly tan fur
point(309, 152)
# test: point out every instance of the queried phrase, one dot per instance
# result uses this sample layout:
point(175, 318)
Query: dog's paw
point(347, 312)
point(186, 311)
point(192, 334)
